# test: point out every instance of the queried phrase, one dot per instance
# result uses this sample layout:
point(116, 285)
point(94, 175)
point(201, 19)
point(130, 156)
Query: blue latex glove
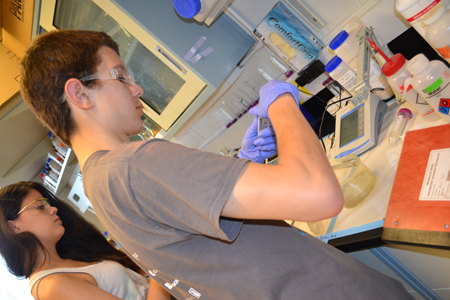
point(258, 149)
point(267, 95)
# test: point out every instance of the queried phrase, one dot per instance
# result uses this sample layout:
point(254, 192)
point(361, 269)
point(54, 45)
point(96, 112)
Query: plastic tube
point(403, 116)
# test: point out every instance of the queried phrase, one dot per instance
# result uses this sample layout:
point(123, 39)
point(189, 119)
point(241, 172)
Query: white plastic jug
point(432, 81)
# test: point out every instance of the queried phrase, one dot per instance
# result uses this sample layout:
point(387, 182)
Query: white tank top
point(110, 276)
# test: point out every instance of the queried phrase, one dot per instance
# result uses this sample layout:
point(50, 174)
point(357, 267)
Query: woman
point(65, 257)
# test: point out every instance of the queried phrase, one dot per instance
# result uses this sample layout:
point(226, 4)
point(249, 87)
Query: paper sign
point(436, 183)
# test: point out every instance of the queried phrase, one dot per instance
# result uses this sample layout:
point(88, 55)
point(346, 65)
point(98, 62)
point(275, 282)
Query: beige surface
point(17, 19)
point(9, 75)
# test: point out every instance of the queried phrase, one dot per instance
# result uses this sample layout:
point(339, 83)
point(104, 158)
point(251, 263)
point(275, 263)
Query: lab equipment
point(340, 72)
point(431, 81)
point(414, 11)
point(395, 71)
point(403, 115)
point(262, 124)
point(346, 48)
point(264, 74)
point(201, 10)
point(357, 128)
point(287, 72)
point(258, 146)
point(358, 124)
point(356, 180)
point(438, 30)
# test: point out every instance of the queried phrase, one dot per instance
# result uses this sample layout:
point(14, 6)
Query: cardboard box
point(1, 21)
point(17, 18)
point(9, 75)
point(285, 34)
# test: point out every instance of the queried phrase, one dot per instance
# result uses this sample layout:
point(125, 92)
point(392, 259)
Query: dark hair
point(81, 241)
point(51, 60)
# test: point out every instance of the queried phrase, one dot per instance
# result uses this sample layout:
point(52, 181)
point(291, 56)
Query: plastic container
point(414, 11)
point(431, 81)
point(197, 9)
point(356, 180)
point(403, 115)
point(265, 75)
point(346, 47)
point(340, 72)
point(396, 75)
point(287, 72)
point(438, 30)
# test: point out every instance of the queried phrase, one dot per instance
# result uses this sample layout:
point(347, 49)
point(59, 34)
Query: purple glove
point(267, 95)
point(258, 149)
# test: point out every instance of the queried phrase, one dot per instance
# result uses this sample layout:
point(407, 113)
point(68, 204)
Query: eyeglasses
point(41, 206)
point(121, 72)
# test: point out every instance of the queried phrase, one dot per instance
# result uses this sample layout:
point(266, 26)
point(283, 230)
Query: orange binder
point(409, 219)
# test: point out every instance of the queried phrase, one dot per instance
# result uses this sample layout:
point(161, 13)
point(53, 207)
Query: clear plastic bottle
point(287, 72)
point(317, 228)
point(346, 47)
point(403, 115)
point(396, 74)
point(438, 30)
point(340, 72)
point(432, 81)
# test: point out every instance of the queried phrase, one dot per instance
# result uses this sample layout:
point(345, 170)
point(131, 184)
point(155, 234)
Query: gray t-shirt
point(163, 201)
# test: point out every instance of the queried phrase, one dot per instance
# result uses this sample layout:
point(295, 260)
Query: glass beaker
point(356, 180)
point(317, 228)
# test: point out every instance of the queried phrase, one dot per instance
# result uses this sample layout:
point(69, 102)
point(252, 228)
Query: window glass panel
point(160, 83)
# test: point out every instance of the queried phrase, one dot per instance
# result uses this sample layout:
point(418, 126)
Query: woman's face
point(42, 221)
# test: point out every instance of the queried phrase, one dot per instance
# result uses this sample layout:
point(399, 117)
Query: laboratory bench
point(362, 231)
point(361, 227)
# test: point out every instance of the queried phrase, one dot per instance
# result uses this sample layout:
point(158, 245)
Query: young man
point(203, 225)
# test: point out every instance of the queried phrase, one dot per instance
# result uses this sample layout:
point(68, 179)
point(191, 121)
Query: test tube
point(224, 117)
point(403, 115)
point(244, 102)
point(285, 70)
point(264, 74)
point(245, 97)
point(243, 108)
point(251, 88)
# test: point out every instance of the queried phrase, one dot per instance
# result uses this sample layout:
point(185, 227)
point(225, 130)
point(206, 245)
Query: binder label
point(436, 184)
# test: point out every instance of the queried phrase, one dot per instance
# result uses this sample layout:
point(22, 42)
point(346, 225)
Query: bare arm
point(301, 187)
point(69, 287)
point(157, 292)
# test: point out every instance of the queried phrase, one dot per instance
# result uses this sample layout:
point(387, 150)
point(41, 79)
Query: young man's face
point(118, 103)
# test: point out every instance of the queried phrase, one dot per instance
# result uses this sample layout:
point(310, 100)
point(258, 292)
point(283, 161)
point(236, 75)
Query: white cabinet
point(23, 144)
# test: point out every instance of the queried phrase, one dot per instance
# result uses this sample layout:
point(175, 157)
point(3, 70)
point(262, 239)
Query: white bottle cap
point(434, 14)
point(417, 64)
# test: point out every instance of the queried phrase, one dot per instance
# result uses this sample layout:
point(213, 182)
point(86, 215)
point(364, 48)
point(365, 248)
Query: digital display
point(352, 126)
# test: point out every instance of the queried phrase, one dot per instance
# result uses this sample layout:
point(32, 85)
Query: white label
point(397, 123)
point(417, 12)
point(376, 80)
point(347, 80)
point(436, 184)
point(194, 293)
